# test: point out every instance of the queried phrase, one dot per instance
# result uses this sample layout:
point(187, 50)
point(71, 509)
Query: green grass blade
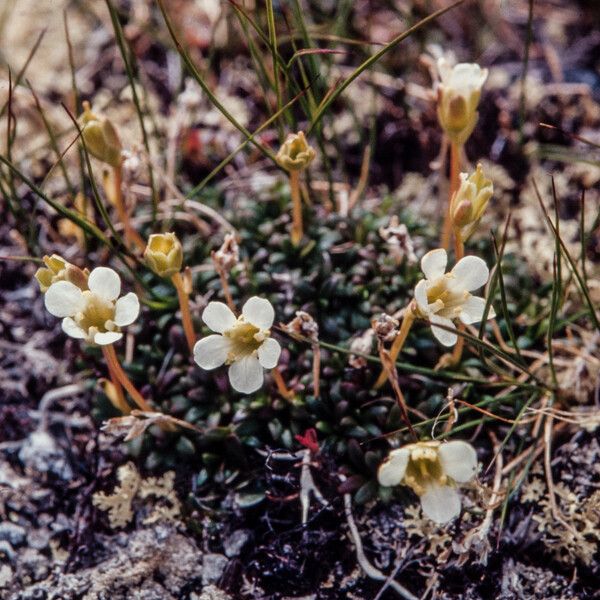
point(122, 43)
point(199, 79)
point(330, 98)
point(582, 285)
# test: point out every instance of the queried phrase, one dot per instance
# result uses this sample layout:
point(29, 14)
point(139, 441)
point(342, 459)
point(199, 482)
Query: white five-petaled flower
point(431, 470)
point(97, 314)
point(244, 343)
point(443, 297)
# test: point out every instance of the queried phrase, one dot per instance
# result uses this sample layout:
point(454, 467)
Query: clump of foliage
point(341, 301)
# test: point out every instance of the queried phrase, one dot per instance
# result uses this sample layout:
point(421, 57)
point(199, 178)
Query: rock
point(33, 565)
point(38, 539)
point(13, 533)
point(210, 592)
point(234, 544)
point(7, 550)
point(42, 454)
point(213, 566)
point(6, 576)
point(147, 564)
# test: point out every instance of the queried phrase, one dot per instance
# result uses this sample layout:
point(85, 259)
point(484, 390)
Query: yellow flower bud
point(100, 137)
point(458, 96)
point(295, 153)
point(58, 269)
point(164, 254)
point(469, 202)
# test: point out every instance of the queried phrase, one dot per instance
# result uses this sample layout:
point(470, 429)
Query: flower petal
point(433, 264)
point(472, 310)
point(246, 375)
point(218, 317)
point(127, 309)
point(421, 296)
point(392, 470)
point(72, 329)
point(467, 76)
point(109, 337)
point(105, 282)
point(211, 352)
point(440, 503)
point(459, 460)
point(259, 312)
point(447, 338)
point(268, 353)
point(63, 299)
point(470, 273)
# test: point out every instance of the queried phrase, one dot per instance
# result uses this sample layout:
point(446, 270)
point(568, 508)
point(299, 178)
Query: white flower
point(431, 470)
point(95, 314)
point(243, 343)
point(458, 97)
point(442, 297)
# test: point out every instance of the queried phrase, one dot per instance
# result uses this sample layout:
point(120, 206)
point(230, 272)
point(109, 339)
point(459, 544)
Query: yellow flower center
point(97, 314)
point(245, 339)
point(448, 302)
point(424, 469)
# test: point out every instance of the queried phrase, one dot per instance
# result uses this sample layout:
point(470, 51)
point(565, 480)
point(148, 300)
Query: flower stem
point(392, 374)
point(280, 383)
point(297, 227)
point(121, 403)
point(224, 283)
point(454, 183)
point(130, 232)
point(459, 246)
point(184, 305)
point(458, 348)
point(398, 344)
point(316, 369)
point(112, 361)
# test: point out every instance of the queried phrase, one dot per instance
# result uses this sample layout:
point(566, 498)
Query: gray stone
point(13, 533)
point(7, 550)
point(42, 454)
point(234, 544)
point(38, 539)
point(33, 565)
point(213, 566)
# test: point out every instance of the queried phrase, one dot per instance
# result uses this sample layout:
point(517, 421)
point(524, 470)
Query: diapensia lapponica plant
point(245, 342)
point(241, 341)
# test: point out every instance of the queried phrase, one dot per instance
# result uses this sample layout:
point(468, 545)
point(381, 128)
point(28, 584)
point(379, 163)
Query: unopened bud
point(164, 254)
point(100, 137)
point(458, 96)
point(469, 202)
point(295, 153)
point(58, 269)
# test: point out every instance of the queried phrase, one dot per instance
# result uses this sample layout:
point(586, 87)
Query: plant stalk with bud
point(102, 141)
point(294, 156)
point(164, 255)
point(458, 93)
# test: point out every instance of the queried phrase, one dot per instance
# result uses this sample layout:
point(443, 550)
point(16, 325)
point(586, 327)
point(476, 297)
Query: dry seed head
point(303, 325)
point(228, 255)
point(385, 327)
